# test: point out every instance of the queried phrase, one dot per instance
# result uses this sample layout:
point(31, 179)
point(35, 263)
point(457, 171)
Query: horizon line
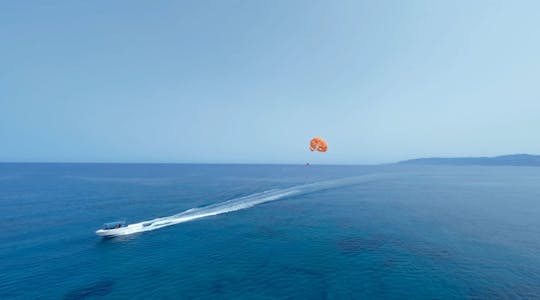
point(259, 163)
point(193, 163)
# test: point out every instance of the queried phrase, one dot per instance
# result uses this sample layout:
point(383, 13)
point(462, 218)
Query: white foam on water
point(237, 204)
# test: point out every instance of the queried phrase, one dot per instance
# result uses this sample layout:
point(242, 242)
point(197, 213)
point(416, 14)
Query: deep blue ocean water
point(391, 232)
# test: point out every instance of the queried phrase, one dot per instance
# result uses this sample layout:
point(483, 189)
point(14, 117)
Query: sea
point(270, 231)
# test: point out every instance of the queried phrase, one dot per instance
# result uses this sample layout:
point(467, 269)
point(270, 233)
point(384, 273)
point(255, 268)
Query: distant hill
point(504, 160)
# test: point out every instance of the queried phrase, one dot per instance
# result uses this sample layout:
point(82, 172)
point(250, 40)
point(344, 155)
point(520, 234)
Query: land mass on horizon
point(503, 160)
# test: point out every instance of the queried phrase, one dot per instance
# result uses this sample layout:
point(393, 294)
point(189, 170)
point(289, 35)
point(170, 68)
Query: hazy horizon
point(253, 82)
point(257, 163)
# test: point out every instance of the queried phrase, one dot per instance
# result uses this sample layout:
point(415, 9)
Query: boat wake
point(238, 204)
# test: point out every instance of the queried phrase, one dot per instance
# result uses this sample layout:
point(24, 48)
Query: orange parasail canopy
point(318, 144)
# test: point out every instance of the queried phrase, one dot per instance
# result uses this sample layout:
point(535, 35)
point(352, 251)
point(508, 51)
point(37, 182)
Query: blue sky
point(253, 81)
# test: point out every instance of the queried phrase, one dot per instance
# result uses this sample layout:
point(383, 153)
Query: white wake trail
point(237, 204)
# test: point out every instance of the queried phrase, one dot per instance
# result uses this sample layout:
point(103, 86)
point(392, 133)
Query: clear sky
point(253, 81)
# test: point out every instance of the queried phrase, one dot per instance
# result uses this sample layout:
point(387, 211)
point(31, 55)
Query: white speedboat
point(112, 229)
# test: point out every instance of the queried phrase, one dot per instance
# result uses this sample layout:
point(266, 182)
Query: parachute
point(318, 144)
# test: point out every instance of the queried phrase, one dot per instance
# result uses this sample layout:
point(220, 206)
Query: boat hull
point(126, 230)
point(109, 232)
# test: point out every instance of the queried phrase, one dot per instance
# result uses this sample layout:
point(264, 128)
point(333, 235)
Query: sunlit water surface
point(270, 232)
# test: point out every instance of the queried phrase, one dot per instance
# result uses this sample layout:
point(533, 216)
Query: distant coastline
point(503, 160)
